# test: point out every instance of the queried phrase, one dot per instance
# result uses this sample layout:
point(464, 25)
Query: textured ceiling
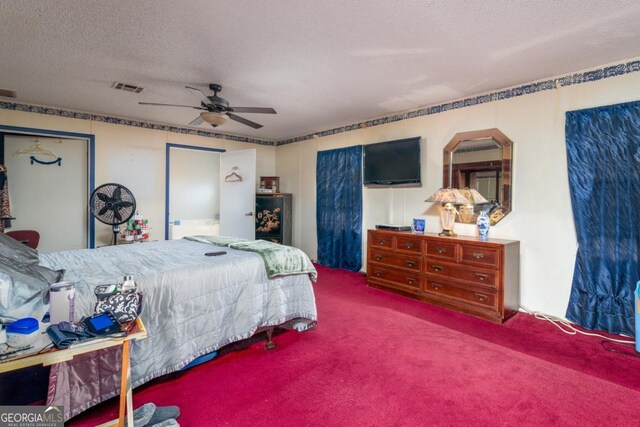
point(320, 64)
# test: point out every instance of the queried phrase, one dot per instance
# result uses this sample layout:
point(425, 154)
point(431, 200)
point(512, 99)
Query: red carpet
point(377, 359)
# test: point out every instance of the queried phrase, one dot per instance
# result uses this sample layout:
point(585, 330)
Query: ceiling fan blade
point(244, 121)
point(199, 94)
point(170, 105)
point(195, 122)
point(261, 110)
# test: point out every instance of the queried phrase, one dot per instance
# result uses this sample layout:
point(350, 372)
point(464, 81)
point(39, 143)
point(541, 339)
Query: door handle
point(249, 214)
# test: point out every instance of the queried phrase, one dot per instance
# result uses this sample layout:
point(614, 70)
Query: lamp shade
point(214, 118)
point(448, 195)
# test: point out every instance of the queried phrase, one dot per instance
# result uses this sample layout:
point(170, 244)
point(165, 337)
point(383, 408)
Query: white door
point(238, 194)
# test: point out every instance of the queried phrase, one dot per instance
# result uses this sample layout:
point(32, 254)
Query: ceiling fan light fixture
point(214, 118)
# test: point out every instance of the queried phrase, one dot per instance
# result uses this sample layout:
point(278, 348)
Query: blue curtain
point(603, 153)
point(339, 208)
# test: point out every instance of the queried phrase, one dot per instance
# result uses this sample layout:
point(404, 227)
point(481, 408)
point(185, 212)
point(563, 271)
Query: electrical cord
point(561, 324)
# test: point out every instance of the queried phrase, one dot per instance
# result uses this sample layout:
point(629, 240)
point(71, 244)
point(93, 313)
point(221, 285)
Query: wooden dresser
point(460, 273)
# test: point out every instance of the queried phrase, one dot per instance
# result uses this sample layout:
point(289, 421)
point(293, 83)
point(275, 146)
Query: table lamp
point(448, 196)
point(474, 198)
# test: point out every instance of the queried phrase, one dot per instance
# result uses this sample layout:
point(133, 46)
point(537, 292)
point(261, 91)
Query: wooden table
point(55, 355)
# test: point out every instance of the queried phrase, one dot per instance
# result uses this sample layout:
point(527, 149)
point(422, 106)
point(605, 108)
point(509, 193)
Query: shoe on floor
point(163, 413)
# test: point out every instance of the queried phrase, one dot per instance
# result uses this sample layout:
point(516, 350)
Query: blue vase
point(483, 226)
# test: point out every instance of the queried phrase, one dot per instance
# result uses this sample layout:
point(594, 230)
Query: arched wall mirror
point(480, 160)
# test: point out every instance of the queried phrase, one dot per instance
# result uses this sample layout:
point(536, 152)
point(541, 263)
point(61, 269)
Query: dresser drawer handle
point(440, 250)
point(378, 258)
point(436, 267)
point(408, 245)
point(382, 242)
point(478, 255)
point(481, 276)
point(481, 298)
point(411, 281)
point(410, 263)
point(436, 287)
point(377, 273)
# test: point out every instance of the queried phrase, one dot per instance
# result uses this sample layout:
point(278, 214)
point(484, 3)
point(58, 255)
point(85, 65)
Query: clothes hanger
point(36, 150)
point(233, 176)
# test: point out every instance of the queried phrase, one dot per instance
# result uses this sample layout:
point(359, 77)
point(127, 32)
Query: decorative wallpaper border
point(61, 112)
point(526, 89)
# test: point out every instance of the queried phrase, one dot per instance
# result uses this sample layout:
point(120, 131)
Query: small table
point(55, 355)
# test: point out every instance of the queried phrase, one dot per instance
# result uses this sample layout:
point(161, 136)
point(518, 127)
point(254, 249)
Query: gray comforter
point(192, 305)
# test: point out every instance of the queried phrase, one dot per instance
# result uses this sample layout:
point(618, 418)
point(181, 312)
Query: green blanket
point(279, 260)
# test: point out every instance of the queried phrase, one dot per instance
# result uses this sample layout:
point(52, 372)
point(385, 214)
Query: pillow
point(23, 288)
point(13, 249)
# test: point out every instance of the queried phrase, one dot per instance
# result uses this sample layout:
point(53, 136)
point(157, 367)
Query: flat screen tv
point(392, 163)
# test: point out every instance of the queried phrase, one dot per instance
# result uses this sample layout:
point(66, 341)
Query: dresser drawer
point(396, 260)
point(408, 244)
point(480, 255)
point(478, 276)
point(472, 274)
point(403, 279)
point(378, 240)
point(444, 250)
point(478, 297)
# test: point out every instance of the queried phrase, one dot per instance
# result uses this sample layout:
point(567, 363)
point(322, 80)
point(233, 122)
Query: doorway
point(193, 191)
point(47, 195)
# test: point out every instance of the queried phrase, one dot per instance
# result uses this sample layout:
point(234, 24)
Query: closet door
point(49, 198)
point(238, 193)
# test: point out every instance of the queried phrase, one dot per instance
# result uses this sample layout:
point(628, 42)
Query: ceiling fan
point(216, 110)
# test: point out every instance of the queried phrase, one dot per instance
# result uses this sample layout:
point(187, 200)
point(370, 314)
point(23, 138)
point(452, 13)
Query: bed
point(192, 305)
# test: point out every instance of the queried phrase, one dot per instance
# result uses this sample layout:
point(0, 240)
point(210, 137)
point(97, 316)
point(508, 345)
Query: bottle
point(128, 284)
point(61, 302)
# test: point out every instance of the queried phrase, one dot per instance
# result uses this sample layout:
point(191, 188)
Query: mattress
point(192, 305)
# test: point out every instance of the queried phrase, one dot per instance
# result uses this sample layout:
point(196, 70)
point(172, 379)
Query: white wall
point(541, 219)
point(135, 158)
point(50, 199)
